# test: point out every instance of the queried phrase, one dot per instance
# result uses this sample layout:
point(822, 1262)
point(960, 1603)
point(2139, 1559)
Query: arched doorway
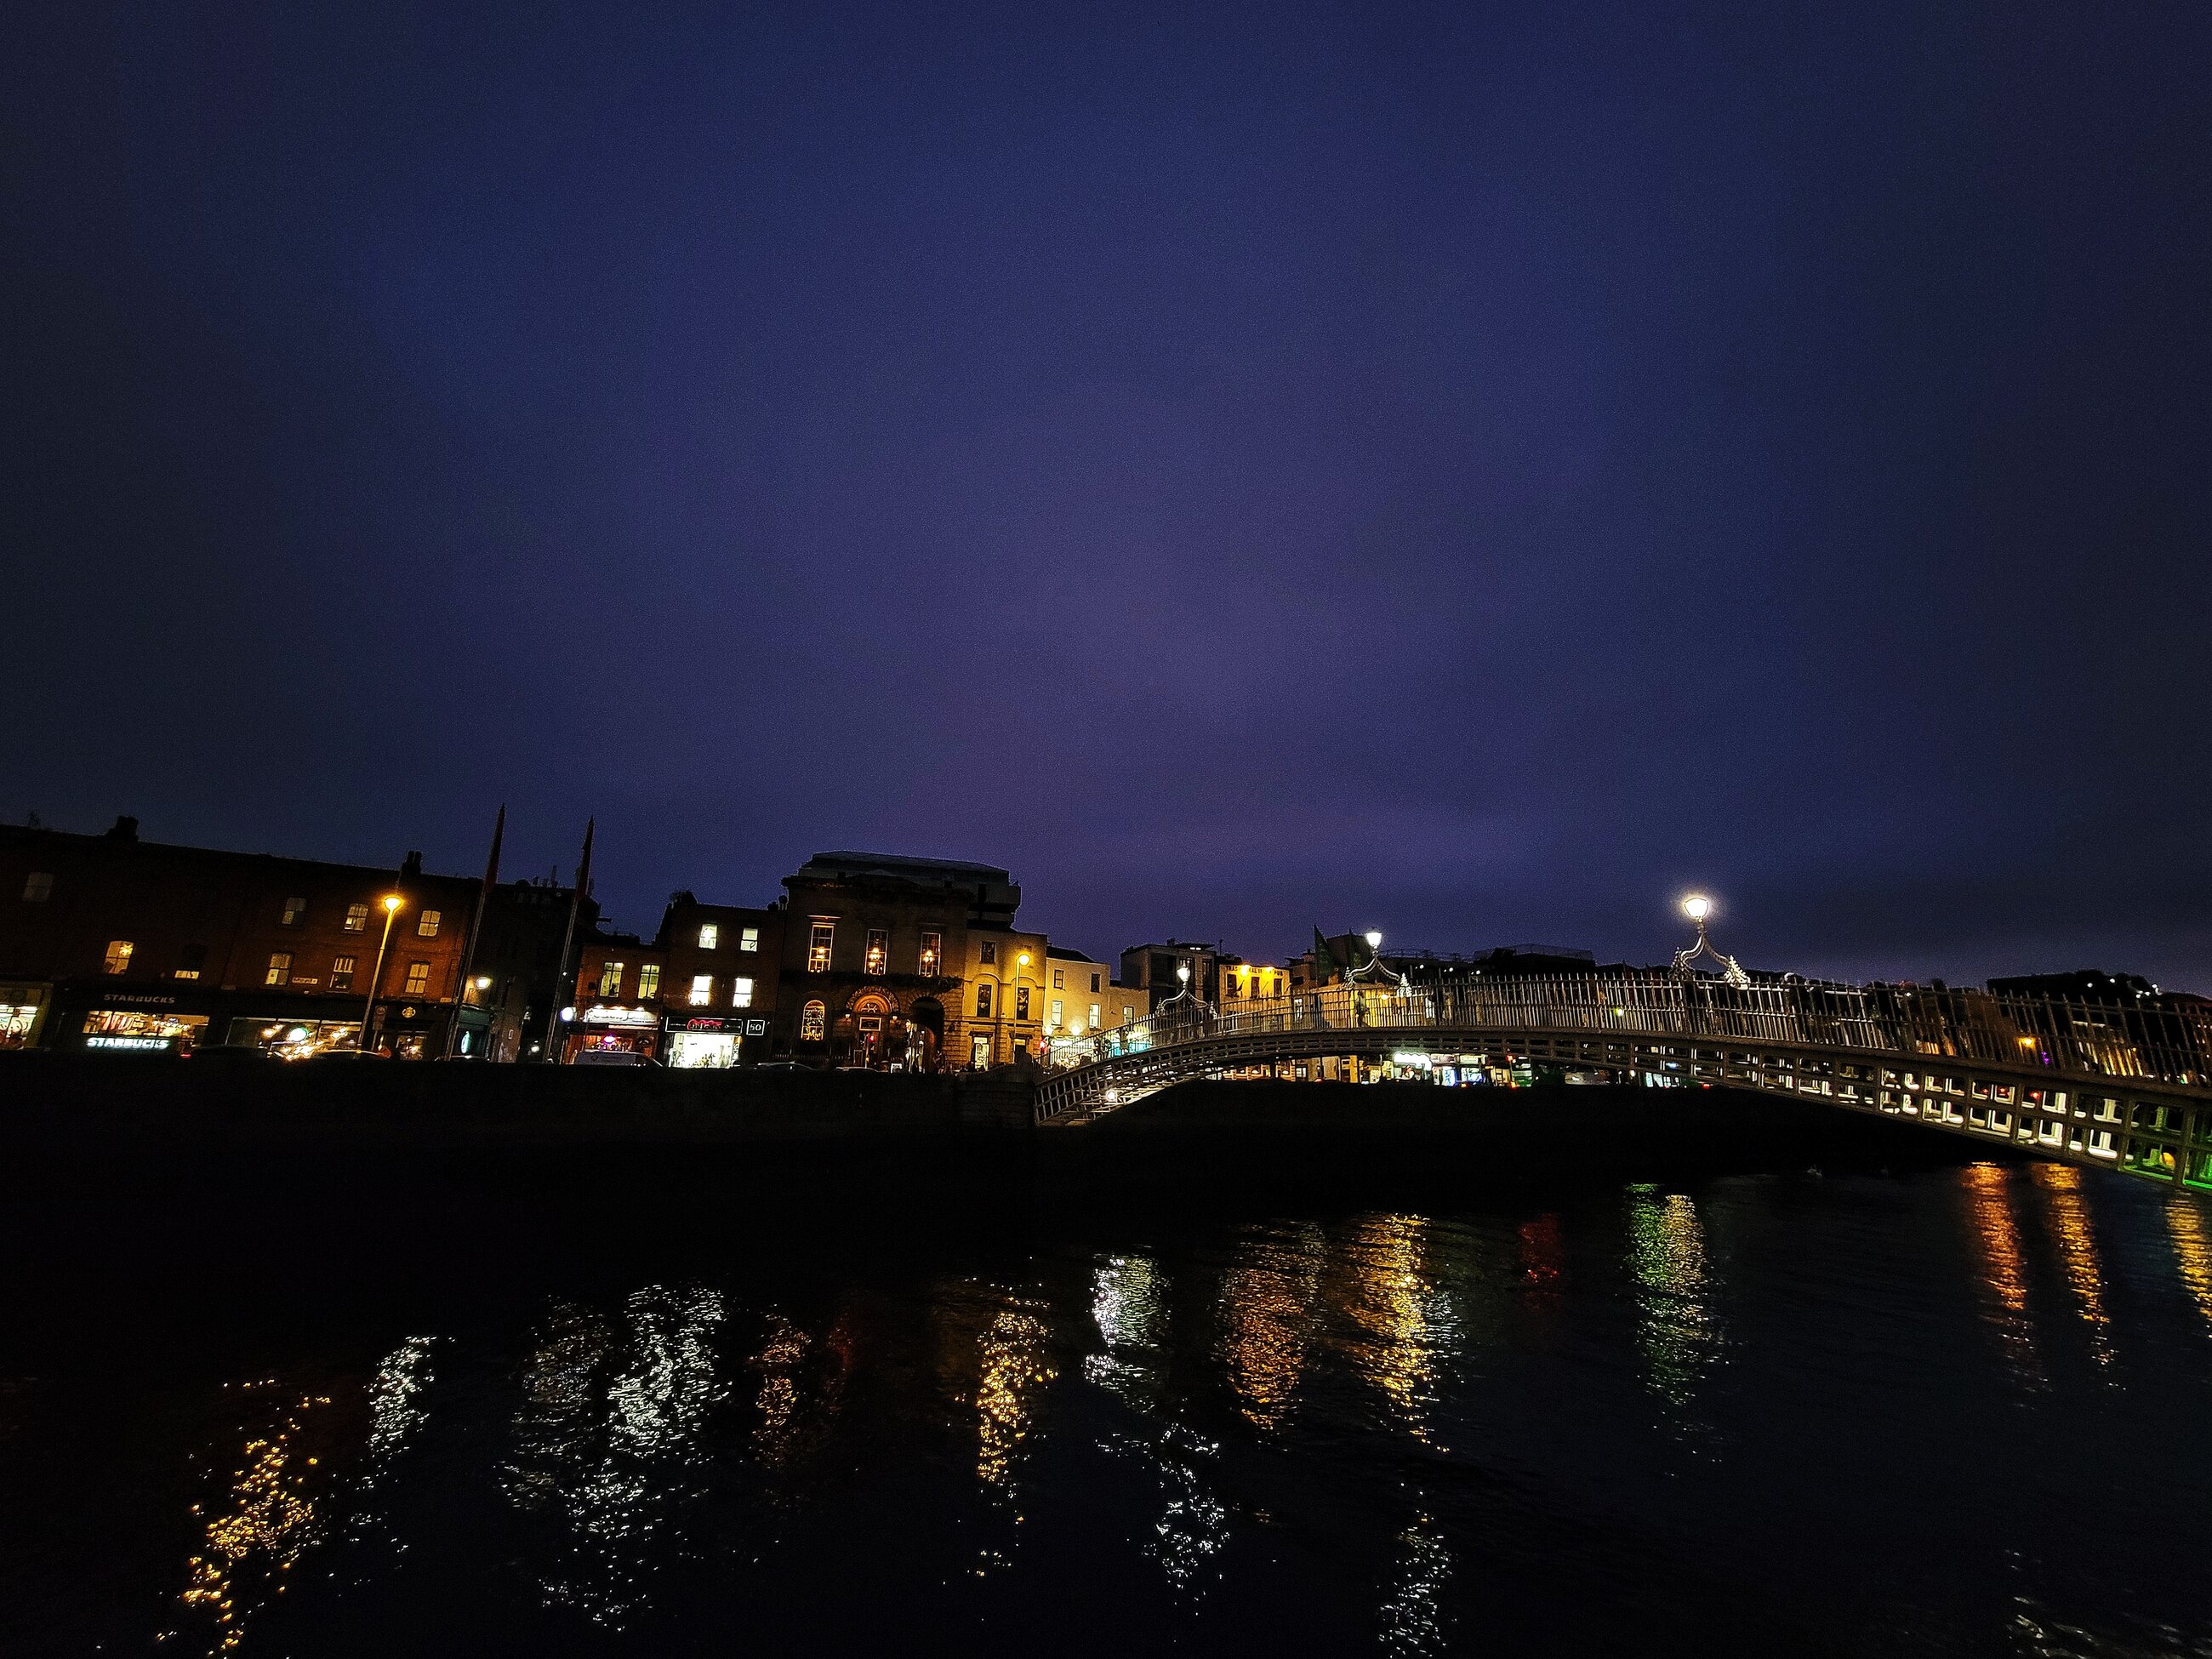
point(925, 1034)
point(875, 1017)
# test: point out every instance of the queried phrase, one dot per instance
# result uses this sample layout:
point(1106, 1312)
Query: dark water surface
point(1960, 1409)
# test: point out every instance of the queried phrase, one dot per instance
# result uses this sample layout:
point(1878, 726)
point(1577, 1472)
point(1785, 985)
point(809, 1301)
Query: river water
point(1959, 1409)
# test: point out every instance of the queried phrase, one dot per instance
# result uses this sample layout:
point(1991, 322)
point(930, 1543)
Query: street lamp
point(392, 903)
point(1700, 908)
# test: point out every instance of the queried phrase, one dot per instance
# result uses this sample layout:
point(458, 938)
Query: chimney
point(410, 867)
point(126, 829)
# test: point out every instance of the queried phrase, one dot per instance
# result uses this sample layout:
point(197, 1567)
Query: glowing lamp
point(568, 1013)
point(1697, 907)
point(392, 900)
point(1375, 939)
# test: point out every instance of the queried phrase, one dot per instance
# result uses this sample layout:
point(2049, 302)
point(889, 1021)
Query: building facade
point(111, 942)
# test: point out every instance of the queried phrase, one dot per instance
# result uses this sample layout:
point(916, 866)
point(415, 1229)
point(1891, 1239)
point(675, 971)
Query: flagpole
point(568, 939)
point(475, 932)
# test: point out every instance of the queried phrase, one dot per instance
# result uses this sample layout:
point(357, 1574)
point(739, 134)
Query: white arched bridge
point(2125, 1087)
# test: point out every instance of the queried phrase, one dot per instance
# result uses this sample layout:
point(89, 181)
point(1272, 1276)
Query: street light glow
point(1697, 907)
point(1375, 939)
point(393, 901)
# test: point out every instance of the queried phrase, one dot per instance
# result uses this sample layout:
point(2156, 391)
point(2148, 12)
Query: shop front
point(295, 1039)
point(146, 1030)
point(605, 1033)
point(711, 1043)
point(22, 1014)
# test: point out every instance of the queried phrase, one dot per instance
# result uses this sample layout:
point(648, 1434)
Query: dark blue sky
point(1471, 470)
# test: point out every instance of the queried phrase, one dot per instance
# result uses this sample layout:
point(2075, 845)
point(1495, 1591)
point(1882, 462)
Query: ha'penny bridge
point(2123, 1087)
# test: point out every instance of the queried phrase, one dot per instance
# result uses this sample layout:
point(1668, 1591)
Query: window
point(741, 994)
point(990, 952)
point(418, 979)
point(1094, 992)
point(1021, 1002)
point(611, 974)
point(648, 981)
point(119, 955)
point(341, 973)
point(38, 886)
point(426, 925)
point(983, 1000)
point(809, 1023)
point(1129, 1014)
point(1059, 979)
point(1058, 1008)
point(295, 910)
point(879, 949)
point(702, 989)
point(280, 969)
point(356, 918)
point(191, 961)
point(818, 941)
point(749, 939)
point(710, 935)
point(932, 953)
point(1094, 1015)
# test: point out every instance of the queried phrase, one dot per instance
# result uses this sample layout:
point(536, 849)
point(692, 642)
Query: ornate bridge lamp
point(1698, 907)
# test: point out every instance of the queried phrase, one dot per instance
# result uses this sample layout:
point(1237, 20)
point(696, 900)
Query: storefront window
point(810, 1022)
point(131, 1027)
point(693, 1050)
point(19, 1013)
point(295, 1039)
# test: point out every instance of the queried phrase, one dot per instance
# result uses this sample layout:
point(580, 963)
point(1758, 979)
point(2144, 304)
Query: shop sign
point(702, 1025)
point(603, 1015)
point(126, 1043)
point(756, 1028)
point(141, 1000)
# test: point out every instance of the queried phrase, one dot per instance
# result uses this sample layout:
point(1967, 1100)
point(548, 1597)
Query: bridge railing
point(2168, 1043)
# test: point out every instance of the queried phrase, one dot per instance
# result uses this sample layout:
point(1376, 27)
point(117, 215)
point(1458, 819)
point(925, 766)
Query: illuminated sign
point(126, 1043)
point(1401, 1058)
point(756, 1028)
point(702, 1025)
point(606, 1015)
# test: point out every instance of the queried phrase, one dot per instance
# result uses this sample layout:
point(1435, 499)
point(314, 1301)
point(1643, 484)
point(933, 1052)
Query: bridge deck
point(2121, 1088)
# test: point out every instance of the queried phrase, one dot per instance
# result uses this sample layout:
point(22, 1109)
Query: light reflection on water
point(1182, 1417)
point(1676, 1328)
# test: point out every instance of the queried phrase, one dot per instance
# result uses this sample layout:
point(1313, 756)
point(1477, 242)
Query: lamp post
point(392, 903)
point(1698, 907)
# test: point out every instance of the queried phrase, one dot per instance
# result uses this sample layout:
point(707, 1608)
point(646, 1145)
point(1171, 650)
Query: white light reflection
point(1128, 1304)
point(606, 1442)
point(1413, 1614)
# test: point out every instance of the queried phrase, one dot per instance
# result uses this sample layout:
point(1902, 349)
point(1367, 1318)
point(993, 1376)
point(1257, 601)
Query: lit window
point(648, 981)
point(341, 973)
point(1021, 1002)
point(418, 979)
point(38, 886)
point(611, 974)
point(356, 918)
point(702, 989)
point(1059, 979)
point(879, 949)
point(1058, 1009)
point(1094, 992)
point(294, 909)
point(932, 953)
point(710, 935)
point(1129, 1014)
point(280, 969)
point(810, 1022)
point(749, 939)
point(741, 994)
point(990, 952)
point(426, 925)
point(983, 1000)
point(119, 955)
point(818, 941)
point(1094, 1016)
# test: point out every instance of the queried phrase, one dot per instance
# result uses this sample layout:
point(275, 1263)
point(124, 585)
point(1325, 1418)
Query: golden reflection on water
point(2003, 1265)
point(1015, 1370)
point(267, 1520)
point(1377, 1278)
point(606, 1442)
point(1270, 1302)
point(778, 1362)
point(1675, 1330)
point(2067, 1213)
point(2192, 1248)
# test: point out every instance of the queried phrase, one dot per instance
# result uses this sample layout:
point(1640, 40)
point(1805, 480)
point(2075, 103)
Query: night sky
point(1472, 470)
